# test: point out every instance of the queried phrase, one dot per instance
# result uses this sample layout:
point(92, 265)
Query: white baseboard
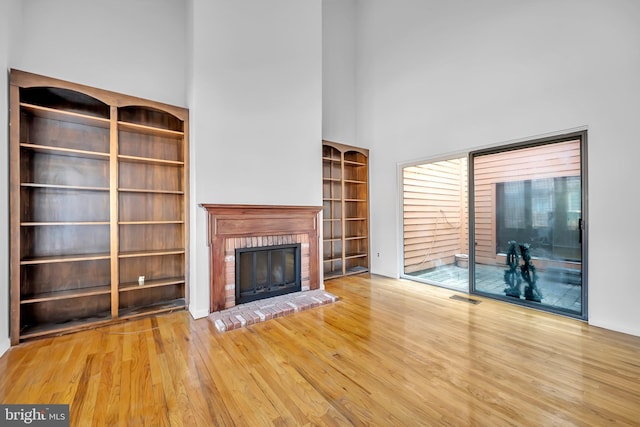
point(616, 327)
point(5, 345)
point(198, 314)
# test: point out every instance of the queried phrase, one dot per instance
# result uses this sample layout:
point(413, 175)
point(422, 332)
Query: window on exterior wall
point(542, 203)
point(542, 212)
point(514, 204)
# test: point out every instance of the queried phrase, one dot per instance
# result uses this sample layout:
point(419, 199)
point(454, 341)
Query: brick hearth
point(269, 308)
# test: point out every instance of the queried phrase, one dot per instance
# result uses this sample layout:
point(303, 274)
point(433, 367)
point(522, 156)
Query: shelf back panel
point(60, 240)
point(152, 268)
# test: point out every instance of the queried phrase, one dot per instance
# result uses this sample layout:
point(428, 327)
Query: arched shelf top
point(347, 148)
point(356, 156)
point(64, 99)
point(29, 81)
point(145, 115)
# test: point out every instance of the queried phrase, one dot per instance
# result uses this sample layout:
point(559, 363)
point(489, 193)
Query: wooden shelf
point(65, 116)
point(149, 130)
point(76, 165)
point(61, 151)
point(356, 270)
point(63, 327)
point(62, 187)
point(352, 163)
point(138, 159)
point(333, 275)
point(351, 256)
point(149, 253)
point(65, 294)
point(39, 224)
point(64, 258)
point(164, 307)
point(150, 191)
point(149, 222)
point(331, 159)
point(332, 259)
point(134, 286)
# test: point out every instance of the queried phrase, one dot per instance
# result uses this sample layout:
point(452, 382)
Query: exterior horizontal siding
point(546, 161)
point(435, 213)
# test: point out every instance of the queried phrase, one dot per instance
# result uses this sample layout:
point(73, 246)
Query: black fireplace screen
point(267, 271)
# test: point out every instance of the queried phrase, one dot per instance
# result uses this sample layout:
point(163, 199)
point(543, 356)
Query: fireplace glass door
point(268, 271)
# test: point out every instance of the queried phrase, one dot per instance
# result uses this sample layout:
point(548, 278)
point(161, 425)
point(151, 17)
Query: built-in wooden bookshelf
point(99, 197)
point(345, 196)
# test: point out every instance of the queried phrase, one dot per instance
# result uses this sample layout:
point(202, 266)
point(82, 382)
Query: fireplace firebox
point(267, 271)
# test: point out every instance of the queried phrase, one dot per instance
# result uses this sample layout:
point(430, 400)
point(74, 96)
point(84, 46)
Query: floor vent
point(465, 299)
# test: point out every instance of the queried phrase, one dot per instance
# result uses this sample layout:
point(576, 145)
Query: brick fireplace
point(232, 227)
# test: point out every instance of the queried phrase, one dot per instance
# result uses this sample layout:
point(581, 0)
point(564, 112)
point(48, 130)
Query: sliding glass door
point(435, 223)
point(527, 224)
point(506, 223)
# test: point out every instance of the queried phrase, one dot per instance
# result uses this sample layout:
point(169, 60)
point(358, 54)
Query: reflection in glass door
point(528, 224)
point(435, 222)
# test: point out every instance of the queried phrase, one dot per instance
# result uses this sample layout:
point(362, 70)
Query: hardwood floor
point(388, 353)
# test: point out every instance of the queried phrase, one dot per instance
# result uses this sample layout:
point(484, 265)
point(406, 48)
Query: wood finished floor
point(388, 353)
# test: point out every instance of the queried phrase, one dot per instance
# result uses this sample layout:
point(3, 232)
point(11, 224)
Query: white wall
point(136, 47)
point(256, 106)
point(9, 25)
point(436, 77)
point(339, 71)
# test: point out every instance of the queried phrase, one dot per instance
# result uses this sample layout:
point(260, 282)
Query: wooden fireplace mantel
point(229, 221)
